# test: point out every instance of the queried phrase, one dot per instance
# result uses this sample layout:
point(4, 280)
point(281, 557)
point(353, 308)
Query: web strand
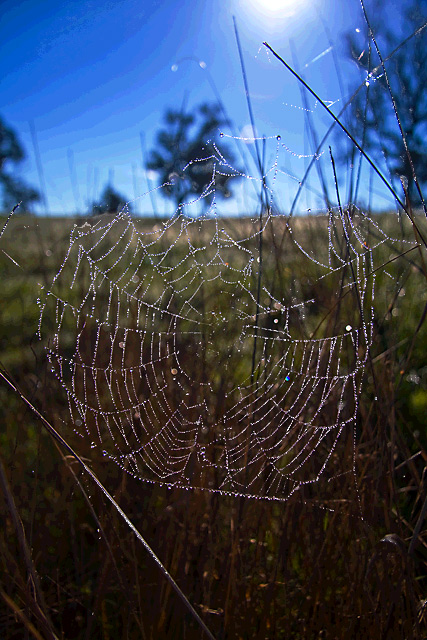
point(186, 371)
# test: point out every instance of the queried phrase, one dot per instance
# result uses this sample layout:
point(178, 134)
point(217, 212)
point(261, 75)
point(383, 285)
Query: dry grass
point(332, 562)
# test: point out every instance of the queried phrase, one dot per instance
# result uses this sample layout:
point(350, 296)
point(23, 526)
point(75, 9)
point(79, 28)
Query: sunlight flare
point(273, 8)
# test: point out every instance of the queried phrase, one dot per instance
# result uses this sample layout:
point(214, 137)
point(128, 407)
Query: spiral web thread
point(195, 356)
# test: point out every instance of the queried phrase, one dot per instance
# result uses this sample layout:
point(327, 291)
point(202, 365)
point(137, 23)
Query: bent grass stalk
point(110, 498)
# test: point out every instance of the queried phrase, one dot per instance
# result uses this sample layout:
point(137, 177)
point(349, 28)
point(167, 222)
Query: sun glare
point(277, 5)
point(273, 8)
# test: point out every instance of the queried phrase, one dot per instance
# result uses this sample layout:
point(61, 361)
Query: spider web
point(200, 352)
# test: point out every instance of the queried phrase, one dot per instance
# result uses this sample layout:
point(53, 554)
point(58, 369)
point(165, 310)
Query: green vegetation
point(205, 325)
point(13, 189)
point(404, 77)
point(308, 567)
point(193, 165)
point(109, 202)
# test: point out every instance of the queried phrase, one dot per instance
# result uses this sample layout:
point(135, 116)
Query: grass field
point(338, 559)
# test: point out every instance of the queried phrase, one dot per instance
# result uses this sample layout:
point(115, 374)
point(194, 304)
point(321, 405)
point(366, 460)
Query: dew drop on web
point(226, 359)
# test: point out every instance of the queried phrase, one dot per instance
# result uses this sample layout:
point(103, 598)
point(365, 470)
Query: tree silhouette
point(110, 202)
point(372, 113)
point(13, 189)
point(192, 165)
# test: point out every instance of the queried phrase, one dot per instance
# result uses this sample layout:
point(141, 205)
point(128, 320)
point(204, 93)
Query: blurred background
point(85, 87)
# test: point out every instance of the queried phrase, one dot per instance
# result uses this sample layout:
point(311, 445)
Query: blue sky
point(92, 76)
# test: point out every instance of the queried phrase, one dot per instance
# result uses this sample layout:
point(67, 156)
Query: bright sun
point(273, 7)
point(277, 5)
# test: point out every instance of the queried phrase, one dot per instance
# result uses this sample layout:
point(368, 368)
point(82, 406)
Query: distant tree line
point(188, 158)
point(191, 161)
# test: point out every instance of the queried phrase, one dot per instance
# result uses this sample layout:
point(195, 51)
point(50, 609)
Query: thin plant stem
point(110, 498)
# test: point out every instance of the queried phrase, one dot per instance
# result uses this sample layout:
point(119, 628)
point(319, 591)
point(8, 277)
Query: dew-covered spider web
point(214, 352)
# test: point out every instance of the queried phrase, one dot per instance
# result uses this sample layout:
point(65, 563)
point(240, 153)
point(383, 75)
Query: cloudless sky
point(92, 76)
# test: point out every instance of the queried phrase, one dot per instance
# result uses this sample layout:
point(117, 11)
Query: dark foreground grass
point(336, 561)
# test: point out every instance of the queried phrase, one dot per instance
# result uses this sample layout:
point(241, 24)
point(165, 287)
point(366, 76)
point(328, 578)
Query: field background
point(71, 568)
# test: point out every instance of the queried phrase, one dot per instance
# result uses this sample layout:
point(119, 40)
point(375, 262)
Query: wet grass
point(331, 562)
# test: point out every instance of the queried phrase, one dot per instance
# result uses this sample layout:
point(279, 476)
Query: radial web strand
point(195, 356)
